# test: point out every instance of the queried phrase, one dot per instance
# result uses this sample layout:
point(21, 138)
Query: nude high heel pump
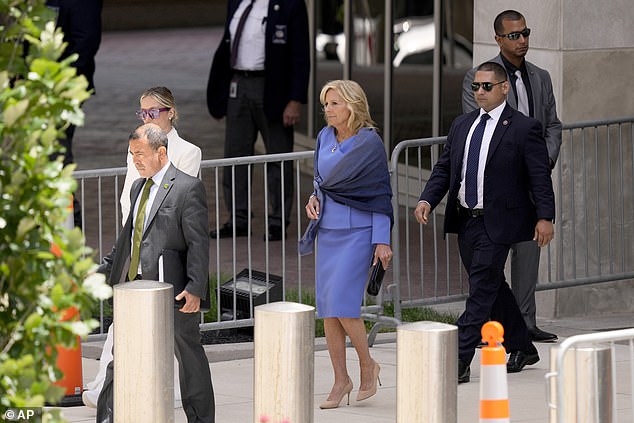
point(362, 395)
point(334, 403)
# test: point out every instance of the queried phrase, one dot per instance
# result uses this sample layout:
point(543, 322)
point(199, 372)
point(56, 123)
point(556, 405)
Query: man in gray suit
point(169, 216)
point(531, 92)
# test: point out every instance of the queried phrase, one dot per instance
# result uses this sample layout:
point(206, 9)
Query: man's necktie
point(139, 222)
point(238, 34)
point(522, 95)
point(473, 160)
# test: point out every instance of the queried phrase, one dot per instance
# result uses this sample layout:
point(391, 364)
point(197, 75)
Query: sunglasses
point(487, 86)
point(516, 35)
point(150, 113)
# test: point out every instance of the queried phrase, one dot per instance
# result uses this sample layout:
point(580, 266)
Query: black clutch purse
point(375, 279)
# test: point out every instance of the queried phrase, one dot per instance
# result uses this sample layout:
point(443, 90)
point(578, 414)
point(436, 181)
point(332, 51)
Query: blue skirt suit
point(345, 241)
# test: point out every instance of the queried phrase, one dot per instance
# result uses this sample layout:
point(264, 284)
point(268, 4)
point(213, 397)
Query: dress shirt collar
point(158, 176)
point(511, 68)
point(495, 113)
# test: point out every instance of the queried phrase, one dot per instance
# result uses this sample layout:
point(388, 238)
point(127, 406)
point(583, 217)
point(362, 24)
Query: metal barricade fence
point(426, 269)
point(594, 229)
point(588, 378)
point(261, 271)
point(247, 271)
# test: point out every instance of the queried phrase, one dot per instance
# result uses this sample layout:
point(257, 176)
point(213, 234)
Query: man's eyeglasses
point(150, 113)
point(487, 86)
point(516, 35)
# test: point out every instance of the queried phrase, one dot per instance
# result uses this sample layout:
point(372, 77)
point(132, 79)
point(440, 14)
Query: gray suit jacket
point(178, 221)
point(544, 106)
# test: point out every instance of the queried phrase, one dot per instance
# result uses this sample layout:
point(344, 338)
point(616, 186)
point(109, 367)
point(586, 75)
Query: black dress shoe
point(538, 335)
point(519, 359)
point(226, 231)
point(464, 372)
point(275, 234)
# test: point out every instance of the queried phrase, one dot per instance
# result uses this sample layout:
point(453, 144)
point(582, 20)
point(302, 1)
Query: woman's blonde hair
point(164, 97)
point(356, 101)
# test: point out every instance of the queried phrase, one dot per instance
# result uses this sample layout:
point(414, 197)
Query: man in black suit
point(532, 93)
point(258, 80)
point(80, 21)
point(175, 220)
point(495, 169)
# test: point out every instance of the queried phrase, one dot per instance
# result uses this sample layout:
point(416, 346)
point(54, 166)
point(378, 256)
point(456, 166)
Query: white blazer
point(184, 155)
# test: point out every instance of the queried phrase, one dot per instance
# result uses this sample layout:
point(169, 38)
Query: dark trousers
point(524, 274)
point(197, 393)
point(489, 294)
point(245, 118)
point(67, 143)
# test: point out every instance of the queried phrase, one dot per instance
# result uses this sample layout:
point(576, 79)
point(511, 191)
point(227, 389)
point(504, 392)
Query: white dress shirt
point(484, 151)
point(252, 40)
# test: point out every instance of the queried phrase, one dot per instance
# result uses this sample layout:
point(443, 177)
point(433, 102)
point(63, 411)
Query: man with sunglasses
point(531, 92)
point(494, 168)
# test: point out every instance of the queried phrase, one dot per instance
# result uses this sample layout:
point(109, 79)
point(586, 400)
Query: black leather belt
point(465, 212)
point(248, 73)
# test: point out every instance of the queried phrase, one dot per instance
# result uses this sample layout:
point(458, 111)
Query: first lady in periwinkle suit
point(351, 214)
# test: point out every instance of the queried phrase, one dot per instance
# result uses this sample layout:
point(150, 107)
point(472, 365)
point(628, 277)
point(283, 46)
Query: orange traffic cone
point(69, 359)
point(70, 219)
point(494, 395)
point(69, 363)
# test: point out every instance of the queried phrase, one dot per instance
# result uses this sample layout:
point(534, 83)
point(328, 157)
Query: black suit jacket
point(80, 20)
point(286, 62)
point(517, 184)
point(177, 221)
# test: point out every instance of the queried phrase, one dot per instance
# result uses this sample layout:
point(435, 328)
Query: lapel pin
point(506, 122)
point(276, 7)
point(166, 186)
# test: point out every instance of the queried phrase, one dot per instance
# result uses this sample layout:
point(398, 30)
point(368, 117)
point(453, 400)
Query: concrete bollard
point(427, 373)
point(284, 362)
point(588, 394)
point(143, 352)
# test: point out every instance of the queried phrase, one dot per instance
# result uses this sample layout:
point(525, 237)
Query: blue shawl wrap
point(361, 180)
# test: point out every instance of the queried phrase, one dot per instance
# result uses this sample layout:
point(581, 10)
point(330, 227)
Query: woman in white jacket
point(157, 106)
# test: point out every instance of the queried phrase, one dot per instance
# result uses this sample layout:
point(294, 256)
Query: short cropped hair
point(496, 68)
point(356, 102)
point(152, 133)
point(164, 97)
point(510, 15)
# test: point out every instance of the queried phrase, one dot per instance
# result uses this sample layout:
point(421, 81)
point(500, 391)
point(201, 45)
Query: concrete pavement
point(233, 380)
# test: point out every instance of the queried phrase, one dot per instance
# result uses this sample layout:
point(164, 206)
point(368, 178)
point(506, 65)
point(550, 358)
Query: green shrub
point(43, 267)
